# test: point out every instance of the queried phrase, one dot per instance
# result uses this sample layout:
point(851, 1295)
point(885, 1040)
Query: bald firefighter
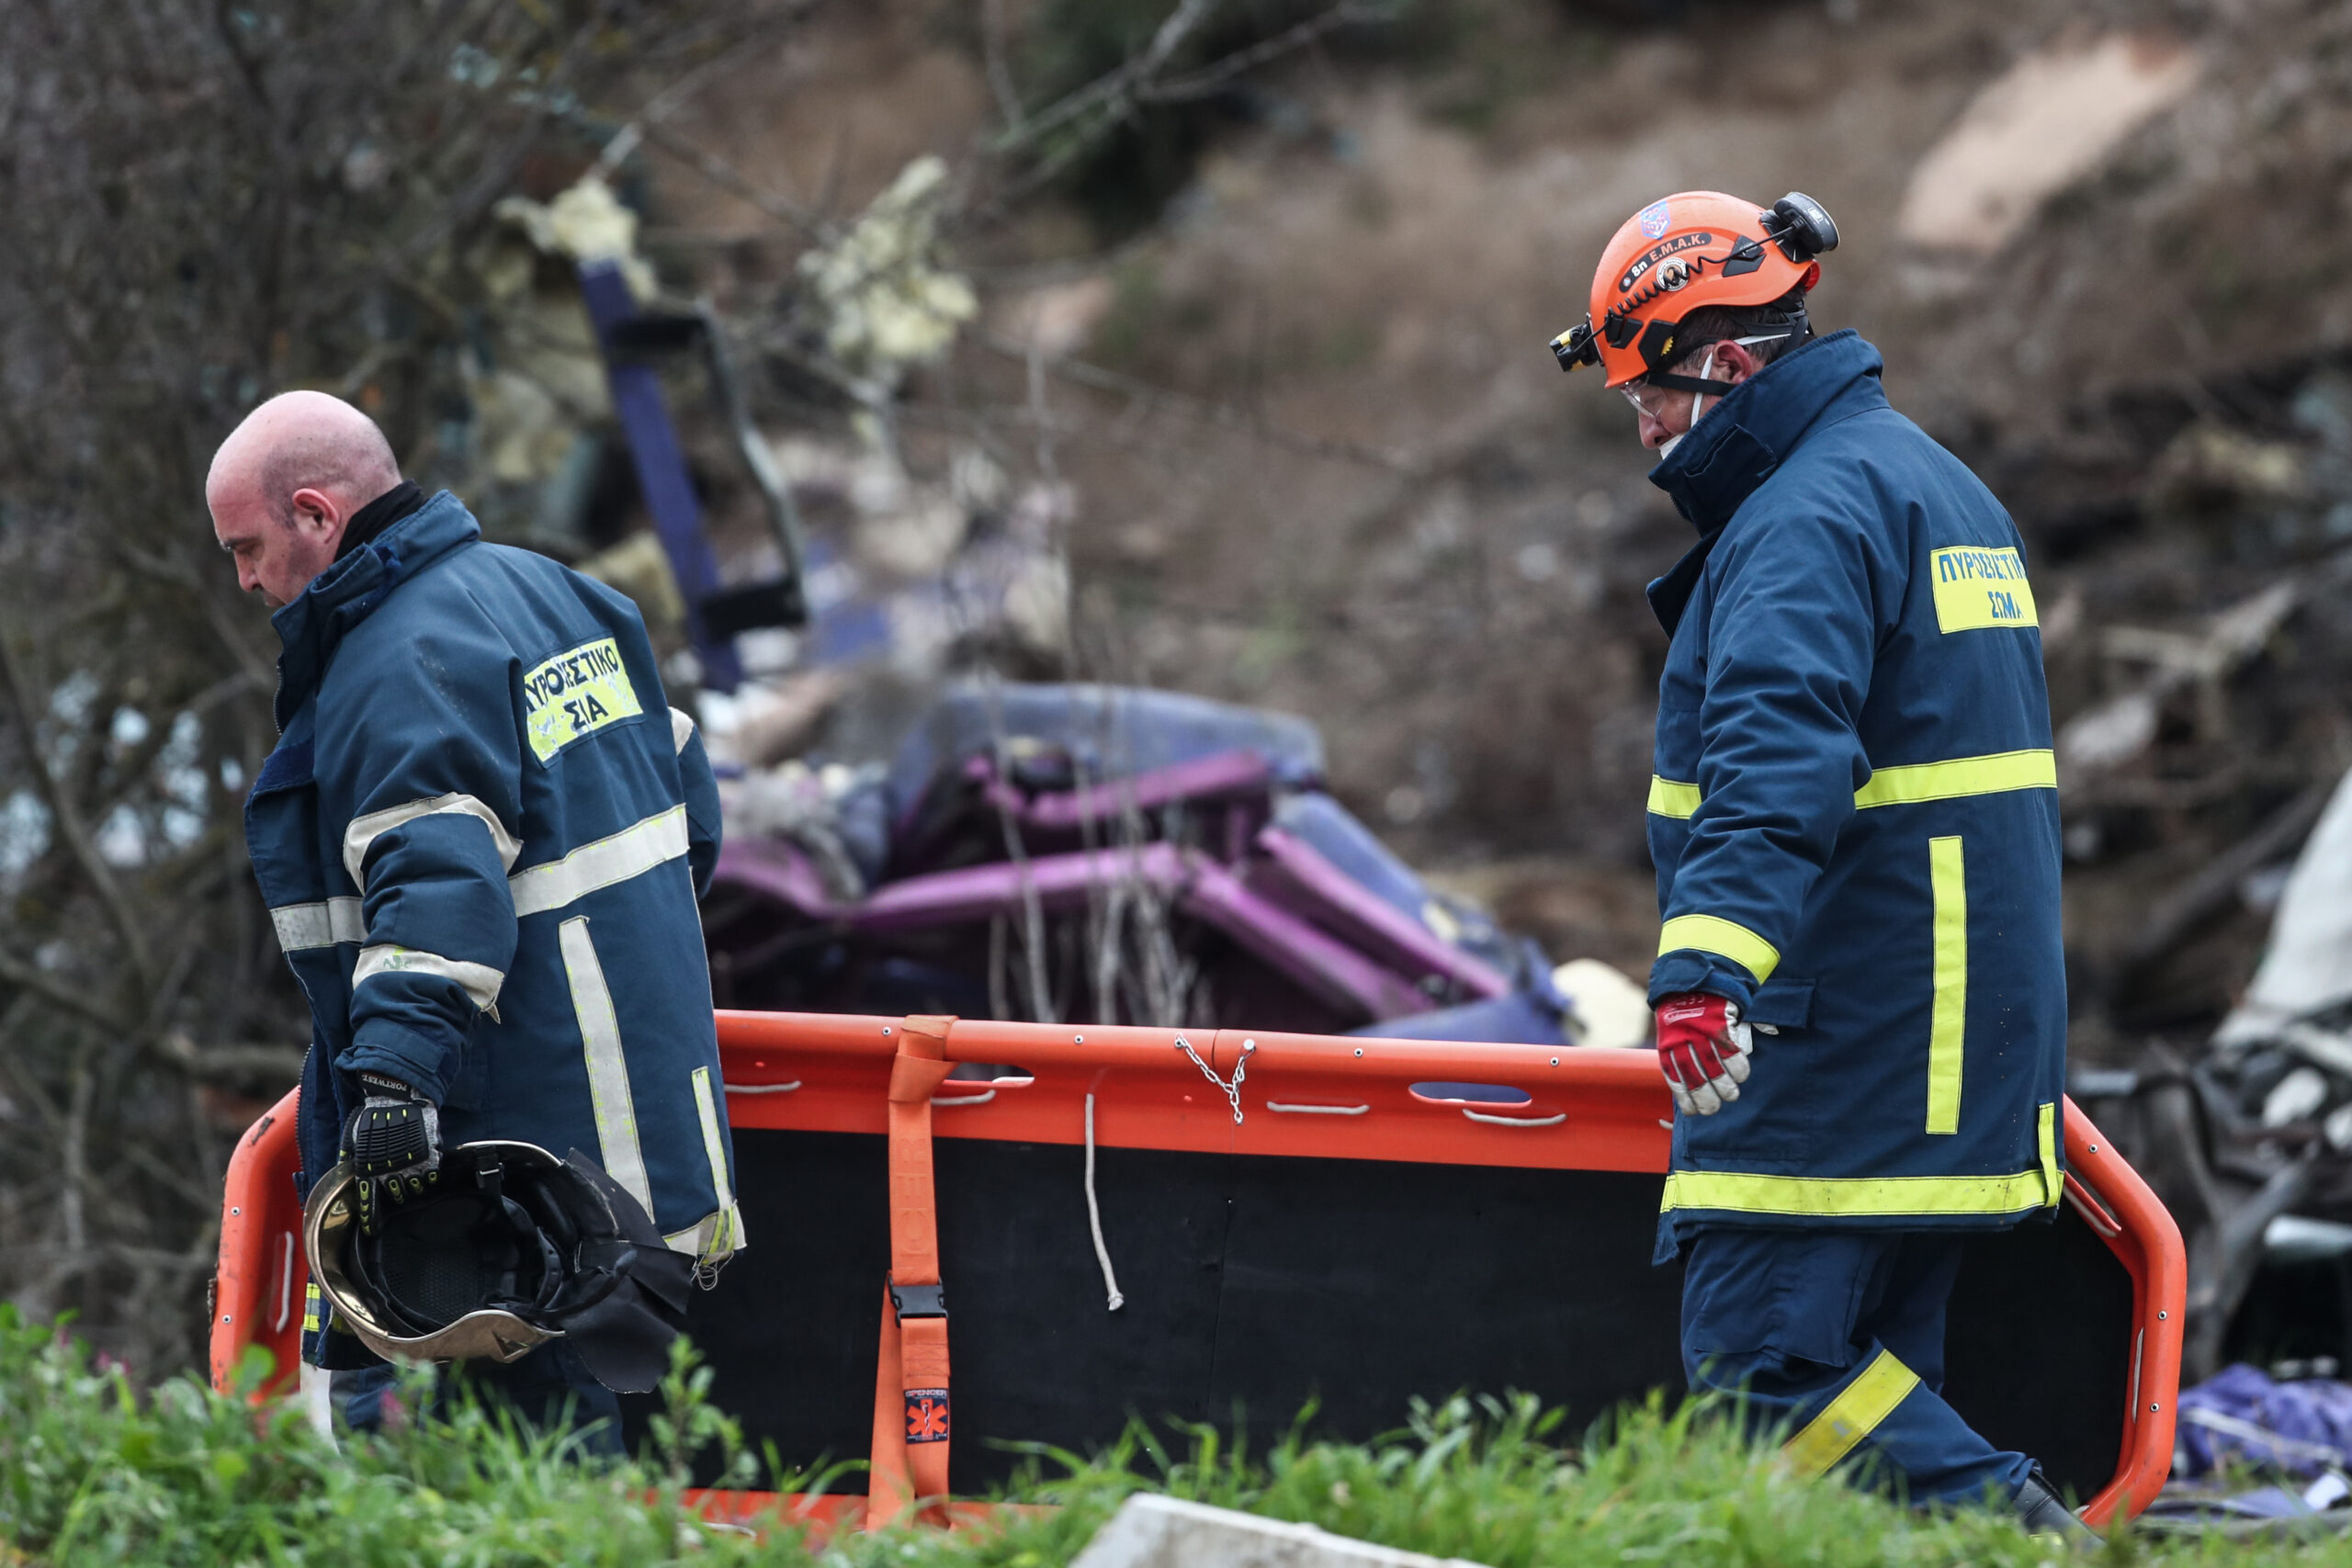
point(1859, 991)
point(481, 839)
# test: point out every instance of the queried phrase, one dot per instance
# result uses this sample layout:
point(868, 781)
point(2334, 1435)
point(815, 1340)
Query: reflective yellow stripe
point(1854, 1414)
point(1706, 933)
point(610, 1099)
point(1670, 799)
point(1863, 1196)
point(722, 1239)
point(2052, 1184)
point(1908, 784)
point(1995, 774)
point(1948, 1028)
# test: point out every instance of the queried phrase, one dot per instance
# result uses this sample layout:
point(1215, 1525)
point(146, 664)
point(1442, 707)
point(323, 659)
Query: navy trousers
point(1836, 1339)
point(540, 1388)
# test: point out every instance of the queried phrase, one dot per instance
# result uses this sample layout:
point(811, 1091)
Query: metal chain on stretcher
point(1241, 1071)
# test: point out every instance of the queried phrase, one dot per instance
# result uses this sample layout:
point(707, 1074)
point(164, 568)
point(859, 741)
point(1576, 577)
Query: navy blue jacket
point(1855, 817)
point(480, 837)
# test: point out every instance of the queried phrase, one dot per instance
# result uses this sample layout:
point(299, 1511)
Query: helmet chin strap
point(1701, 381)
point(1798, 330)
point(1704, 385)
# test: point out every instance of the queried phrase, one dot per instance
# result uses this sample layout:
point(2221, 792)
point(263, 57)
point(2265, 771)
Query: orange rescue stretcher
point(1281, 1217)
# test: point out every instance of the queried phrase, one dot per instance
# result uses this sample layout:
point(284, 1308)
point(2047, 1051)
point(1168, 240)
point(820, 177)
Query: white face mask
point(1706, 371)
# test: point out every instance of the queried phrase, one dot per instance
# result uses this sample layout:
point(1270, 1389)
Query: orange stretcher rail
point(1309, 1097)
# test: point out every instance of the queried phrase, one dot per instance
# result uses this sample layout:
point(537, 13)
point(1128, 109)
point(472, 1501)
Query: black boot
point(2044, 1513)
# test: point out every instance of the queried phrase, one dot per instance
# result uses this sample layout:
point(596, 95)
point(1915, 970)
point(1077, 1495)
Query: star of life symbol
point(926, 1415)
point(1654, 218)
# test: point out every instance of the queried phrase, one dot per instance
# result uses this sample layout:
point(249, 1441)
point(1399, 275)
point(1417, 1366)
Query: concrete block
point(1164, 1533)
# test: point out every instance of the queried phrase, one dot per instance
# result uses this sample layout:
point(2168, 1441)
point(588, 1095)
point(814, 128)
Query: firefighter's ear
point(316, 512)
point(1735, 362)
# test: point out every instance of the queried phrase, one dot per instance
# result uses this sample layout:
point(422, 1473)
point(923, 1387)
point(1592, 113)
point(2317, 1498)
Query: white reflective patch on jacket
point(632, 852)
point(480, 980)
point(365, 830)
point(721, 1233)
point(610, 1097)
point(681, 729)
point(322, 924)
point(713, 1239)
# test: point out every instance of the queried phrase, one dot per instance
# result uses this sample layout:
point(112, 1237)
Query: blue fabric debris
point(2242, 1416)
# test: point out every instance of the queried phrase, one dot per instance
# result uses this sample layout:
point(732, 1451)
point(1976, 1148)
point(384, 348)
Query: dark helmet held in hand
point(510, 1248)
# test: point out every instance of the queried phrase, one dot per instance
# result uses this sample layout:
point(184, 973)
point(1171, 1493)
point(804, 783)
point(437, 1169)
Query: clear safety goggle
point(1652, 401)
point(1648, 400)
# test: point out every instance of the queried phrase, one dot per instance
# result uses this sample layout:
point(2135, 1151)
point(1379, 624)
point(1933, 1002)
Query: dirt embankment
point(1404, 523)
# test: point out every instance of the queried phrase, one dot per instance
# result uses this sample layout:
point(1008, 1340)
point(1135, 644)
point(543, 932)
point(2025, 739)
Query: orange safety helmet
point(1693, 249)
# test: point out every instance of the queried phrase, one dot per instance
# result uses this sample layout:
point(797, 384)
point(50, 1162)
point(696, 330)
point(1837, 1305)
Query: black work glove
point(393, 1142)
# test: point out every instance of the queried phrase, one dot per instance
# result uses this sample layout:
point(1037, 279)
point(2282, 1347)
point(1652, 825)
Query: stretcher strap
point(910, 1402)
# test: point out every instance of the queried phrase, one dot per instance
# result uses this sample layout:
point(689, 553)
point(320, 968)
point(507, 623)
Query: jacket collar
point(1744, 439)
point(348, 592)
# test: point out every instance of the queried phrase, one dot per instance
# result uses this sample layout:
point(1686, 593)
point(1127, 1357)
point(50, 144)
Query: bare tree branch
point(1210, 79)
point(57, 993)
point(68, 818)
point(1109, 95)
point(1000, 74)
point(810, 225)
point(216, 1063)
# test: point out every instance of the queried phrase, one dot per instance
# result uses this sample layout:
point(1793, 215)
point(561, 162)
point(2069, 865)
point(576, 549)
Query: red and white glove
point(1703, 1048)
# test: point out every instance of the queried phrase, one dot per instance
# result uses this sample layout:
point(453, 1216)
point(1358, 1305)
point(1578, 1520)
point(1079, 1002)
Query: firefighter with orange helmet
point(1697, 252)
point(1860, 987)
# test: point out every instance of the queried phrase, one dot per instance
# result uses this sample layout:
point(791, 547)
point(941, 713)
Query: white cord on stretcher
point(1095, 1215)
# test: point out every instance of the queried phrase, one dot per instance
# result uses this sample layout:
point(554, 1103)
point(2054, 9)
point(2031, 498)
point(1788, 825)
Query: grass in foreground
point(92, 1472)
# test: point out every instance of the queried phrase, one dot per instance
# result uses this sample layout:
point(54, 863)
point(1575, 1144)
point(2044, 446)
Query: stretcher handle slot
point(761, 1088)
point(285, 1287)
point(943, 1100)
point(1316, 1110)
point(1552, 1121)
point(2085, 1202)
point(998, 1075)
point(1434, 1093)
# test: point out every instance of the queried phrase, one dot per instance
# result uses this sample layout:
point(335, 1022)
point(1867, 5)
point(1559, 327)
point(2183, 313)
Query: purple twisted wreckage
point(1092, 822)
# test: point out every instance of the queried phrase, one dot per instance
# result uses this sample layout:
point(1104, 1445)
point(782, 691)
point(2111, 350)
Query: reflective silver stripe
point(632, 852)
point(364, 830)
point(302, 926)
point(682, 729)
point(714, 1148)
point(480, 981)
point(600, 1039)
